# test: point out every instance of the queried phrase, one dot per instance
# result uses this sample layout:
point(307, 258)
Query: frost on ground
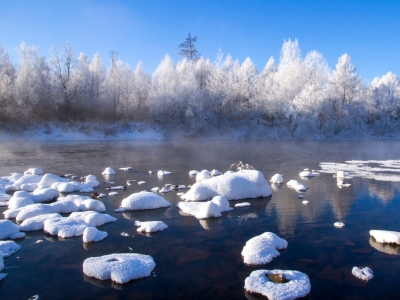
point(204, 210)
point(141, 201)
point(384, 236)
point(120, 268)
point(150, 226)
point(263, 248)
point(297, 285)
point(233, 186)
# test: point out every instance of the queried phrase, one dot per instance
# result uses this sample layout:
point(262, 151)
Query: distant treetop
point(188, 49)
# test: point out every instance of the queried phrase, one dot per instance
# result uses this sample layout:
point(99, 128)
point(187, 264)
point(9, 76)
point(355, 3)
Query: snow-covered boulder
point(44, 194)
point(34, 171)
point(8, 248)
point(243, 204)
point(163, 173)
point(142, 200)
point(92, 218)
point(306, 173)
point(20, 199)
point(150, 226)
point(48, 179)
point(204, 174)
point(296, 284)
point(28, 187)
point(10, 230)
point(92, 234)
point(27, 179)
point(362, 273)
point(64, 227)
point(119, 267)
point(294, 184)
point(208, 209)
point(193, 172)
point(37, 222)
point(108, 171)
point(92, 204)
point(384, 236)
point(263, 248)
point(234, 186)
point(277, 179)
point(215, 173)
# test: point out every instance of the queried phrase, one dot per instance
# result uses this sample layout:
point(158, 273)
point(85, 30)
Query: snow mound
point(215, 173)
point(204, 174)
point(27, 179)
point(163, 173)
point(277, 179)
point(263, 248)
point(108, 171)
point(37, 222)
point(34, 171)
point(306, 173)
point(298, 284)
point(8, 248)
point(193, 172)
point(243, 204)
point(150, 226)
point(92, 204)
point(43, 194)
point(204, 210)
point(363, 273)
point(92, 218)
point(48, 179)
point(234, 186)
point(142, 200)
point(120, 268)
point(20, 199)
point(28, 187)
point(294, 184)
point(8, 229)
point(384, 236)
point(92, 234)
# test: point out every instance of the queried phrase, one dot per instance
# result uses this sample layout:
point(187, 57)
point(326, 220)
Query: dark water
point(202, 259)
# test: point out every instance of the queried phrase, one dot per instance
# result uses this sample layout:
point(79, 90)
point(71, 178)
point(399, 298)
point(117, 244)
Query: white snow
point(363, 273)
point(305, 202)
point(204, 174)
point(108, 171)
point(163, 173)
point(44, 194)
point(306, 173)
point(120, 268)
point(8, 229)
point(150, 226)
point(8, 248)
point(204, 210)
point(263, 248)
point(338, 224)
point(294, 184)
point(297, 287)
point(92, 234)
point(243, 204)
point(48, 179)
point(234, 186)
point(277, 179)
point(142, 200)
point(113, 194)
point(20, 199)
point(193, 172)
point(37, 222)
point(384, 236)
point(215, 173)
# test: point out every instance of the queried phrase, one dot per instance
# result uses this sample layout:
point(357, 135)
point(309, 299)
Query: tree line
point(296, 96)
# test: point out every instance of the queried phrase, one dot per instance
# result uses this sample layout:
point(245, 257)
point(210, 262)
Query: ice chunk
point(64, 227)
point(7, 229)
point(163, 173)
point(108, 171)
point(8, 248)
point(234, 186)
point(263, 248)
point(296, 185)
point(384, 236)
point(150, 226)
point(120, 268)
point(362, 273)
point(297, 284)
point(143, 200)
point(277, 179)
point(92, 234)
point(243, 204)
point(306, 173)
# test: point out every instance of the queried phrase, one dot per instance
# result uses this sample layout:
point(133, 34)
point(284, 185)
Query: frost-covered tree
point(141, 91)
point(7, 73)
point(188, 49)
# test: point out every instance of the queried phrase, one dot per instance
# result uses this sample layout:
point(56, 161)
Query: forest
point(294, 97)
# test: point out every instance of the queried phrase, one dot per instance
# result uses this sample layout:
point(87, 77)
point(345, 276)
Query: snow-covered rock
point(363, 273)
point(150, 226)
point(306, 173)
point(37, 222)
point(215, 173)
point(92, 218)
point(9, 230)
point(277, 179)
point(294, 184)
point(34, 171)
point(20, 199)
point(193, 172)
point(92, 234)
point(48, 179)
point(92, 204)
point(204, 210)
point(263, 248)
point(142, 200)
point(8, 248)
point(298, 284)
point(108, 171)
point(120, 268)
point(44, 194)
point(243, 204)
point(234, 186)
point(163, 173)
point(384, 236)
point(204, 174)
point(28, 187)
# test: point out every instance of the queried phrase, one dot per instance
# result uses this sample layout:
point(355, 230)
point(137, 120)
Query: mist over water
point(202, 259)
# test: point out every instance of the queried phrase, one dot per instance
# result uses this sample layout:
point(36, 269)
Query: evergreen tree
point(188, 49)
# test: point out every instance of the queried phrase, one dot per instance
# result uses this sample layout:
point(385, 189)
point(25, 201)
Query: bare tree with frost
point(188, 49)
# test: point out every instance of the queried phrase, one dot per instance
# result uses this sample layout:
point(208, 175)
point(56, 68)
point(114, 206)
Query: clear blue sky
point(369, 31)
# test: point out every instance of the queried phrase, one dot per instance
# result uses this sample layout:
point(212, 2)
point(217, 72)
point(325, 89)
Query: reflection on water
point(392, 249)
point(202, 258)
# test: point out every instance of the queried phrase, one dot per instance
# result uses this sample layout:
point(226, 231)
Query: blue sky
point(369, 31)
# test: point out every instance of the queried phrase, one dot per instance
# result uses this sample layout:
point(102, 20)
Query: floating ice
point(296, 185)
point(121, 187)
point(9, 230)
point(384, 236)
point(243, 204)
point(215, 173)
point(204, 174)
point(120, 268)
point(150, 226)
point(263, 248)
point(338, 224)
point(193, 172)
point(165, 189)
point(108, 171)
point(306, 173)
point(298, 284)
point(362, 273)
point(277, 179)
point(8, 248)
point(126, 169)
point(37, 222)
point(143, 200)
point(113, 194)
point(182, 187)
point(234, 186)
point(141, 182)
point(305, 202)
point(163, 173)
point(92, 234)
point(155, 189)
